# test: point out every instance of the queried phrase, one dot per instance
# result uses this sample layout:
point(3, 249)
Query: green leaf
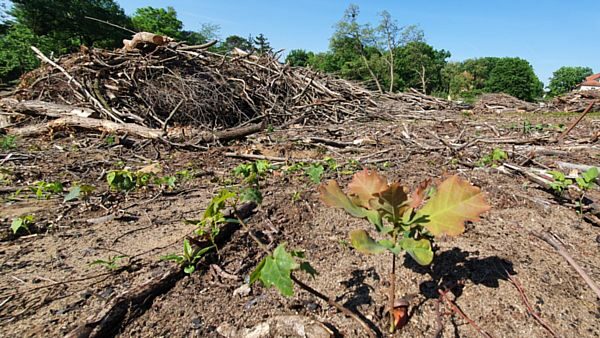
point(255, 275)
point(314, 172)
point(173, 257)
point(73, 194)
point(251, 194)
point(391, 246)
point(201, 252)
point(590, 174)
point(332, 195)
point(187, 249)
point(419, 250)
point(362, 242)
point(277, 271)
point(17, 223)
point(189, 269)
point(455, 202)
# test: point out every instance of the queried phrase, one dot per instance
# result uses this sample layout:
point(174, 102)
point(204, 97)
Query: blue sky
point(549, 34)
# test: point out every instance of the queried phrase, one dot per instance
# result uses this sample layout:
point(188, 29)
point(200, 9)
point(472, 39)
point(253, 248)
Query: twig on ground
point(463, 315)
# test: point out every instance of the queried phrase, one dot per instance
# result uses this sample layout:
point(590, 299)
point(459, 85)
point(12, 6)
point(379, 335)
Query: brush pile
point(169, 83)
point(575, 101)
point(502, 103)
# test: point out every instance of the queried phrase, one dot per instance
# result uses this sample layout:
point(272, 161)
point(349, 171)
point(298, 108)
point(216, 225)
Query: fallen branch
point(87, 94)
point(563, 252)
point(463, 315)
point(530, 310)
point(108, 320)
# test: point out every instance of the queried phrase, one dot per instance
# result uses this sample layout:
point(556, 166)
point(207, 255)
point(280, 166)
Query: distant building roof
point(591, 81)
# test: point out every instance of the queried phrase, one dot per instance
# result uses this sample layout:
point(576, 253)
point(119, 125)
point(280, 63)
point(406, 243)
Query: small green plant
point(189, 258)
point(587, 179)
point(561, 182)
point(314, 172)
point(252, 173)
point(121, 180)
point(410, 222)
point(493, 159)
point(276, 269)
point(112, 263)
point(79, 191)
point(110, 140)
point(22, 222)
point(44, 189)
point(8, 142)
point(213, 216)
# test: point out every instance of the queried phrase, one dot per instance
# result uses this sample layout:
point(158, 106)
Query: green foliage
point(112, 263)
point(493, 159)
point(561, 182)
point(408, 225)
point(587, 179)
point(121, 180)
point(235, 41)
point(262, 45)
point(514, 76)
point(189, 258)
point(63, 23)
point(44, 189)
point(8, 142)
point(252, 173)
point(566, 79)
point(158, 21)
point(298, 58)
point(314, 172)
point(473, 77)
point(420, 66)
point(78, 191)
point(276, 270)
point(22, 222)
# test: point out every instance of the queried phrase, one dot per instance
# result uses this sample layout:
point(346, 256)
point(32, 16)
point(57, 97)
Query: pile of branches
point(169, 83)
point(503, 103)
point(575, 101)
point(414, 101)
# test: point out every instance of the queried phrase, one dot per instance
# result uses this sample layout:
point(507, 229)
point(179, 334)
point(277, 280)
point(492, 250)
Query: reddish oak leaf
point(364, 185)
point(455, 202)
point(418, 196)
point(333, 196)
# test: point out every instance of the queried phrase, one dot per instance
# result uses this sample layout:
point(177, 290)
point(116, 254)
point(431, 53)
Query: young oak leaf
point(333, 196)
point(391, 201)
point(362, 242)
point(455, 202)
point(418, 196)
point(419, 250)
point(364, 185)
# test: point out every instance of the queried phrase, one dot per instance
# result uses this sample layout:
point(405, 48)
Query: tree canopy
point(566, 79)
point(158, 21)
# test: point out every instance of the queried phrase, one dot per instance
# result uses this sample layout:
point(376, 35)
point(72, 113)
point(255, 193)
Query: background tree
point(235, 41)
point(566, 79)
point(63, 22)
point(514, 76)
point(299, 58)
point(262, 45)
point(55, 27)
point(359, 36)
point(420, 66)
point(158, 21)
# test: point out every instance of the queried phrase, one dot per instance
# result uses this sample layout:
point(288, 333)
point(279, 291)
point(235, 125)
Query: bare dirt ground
point(48, 287)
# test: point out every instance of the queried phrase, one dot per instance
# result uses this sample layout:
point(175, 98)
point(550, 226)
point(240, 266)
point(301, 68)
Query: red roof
point(591, 81)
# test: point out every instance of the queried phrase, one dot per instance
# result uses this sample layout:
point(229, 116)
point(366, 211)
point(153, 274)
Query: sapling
point(410, 222)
